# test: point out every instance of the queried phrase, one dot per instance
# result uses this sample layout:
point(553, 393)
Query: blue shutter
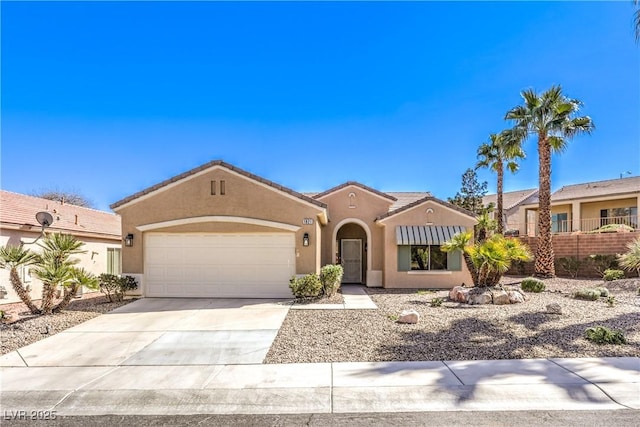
point(454, 260)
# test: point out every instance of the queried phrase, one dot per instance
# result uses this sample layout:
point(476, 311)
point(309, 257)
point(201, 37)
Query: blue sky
point(107, 99)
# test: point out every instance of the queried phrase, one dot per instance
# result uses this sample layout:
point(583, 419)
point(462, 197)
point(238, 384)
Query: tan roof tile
point(20, 209)
point(510, 199)
point(609, 187)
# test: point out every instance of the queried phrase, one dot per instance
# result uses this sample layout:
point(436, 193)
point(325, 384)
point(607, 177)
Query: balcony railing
point(587, 225)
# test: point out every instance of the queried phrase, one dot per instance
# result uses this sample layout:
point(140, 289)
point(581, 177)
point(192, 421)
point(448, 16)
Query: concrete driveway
point(165, 331)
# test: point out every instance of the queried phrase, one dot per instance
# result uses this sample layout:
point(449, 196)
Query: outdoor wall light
point(128, 240)
point(305, 239)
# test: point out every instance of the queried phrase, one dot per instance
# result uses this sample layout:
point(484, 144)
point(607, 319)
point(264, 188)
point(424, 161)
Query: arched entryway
point(351, 248)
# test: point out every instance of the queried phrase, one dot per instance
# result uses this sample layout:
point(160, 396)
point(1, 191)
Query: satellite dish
point(45, 219)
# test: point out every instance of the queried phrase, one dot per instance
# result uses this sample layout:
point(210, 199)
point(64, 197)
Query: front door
point(351, 250)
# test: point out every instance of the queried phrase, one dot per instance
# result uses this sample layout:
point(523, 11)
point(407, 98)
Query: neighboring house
point(511, 202)
point(219, 231)
point(587, 207)
point(99, 231)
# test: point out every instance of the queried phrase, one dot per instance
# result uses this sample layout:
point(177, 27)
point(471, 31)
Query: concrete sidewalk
point(501, 385)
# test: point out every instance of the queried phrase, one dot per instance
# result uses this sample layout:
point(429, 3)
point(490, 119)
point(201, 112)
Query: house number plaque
point(307, 221)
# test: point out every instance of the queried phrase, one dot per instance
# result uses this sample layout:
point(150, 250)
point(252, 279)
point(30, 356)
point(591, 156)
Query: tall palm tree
point(550, 116)
point(504, 150)
point(12, 258)
point(636, 20)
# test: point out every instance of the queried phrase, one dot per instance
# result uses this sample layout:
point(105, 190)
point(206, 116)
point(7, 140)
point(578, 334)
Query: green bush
point(604, 335)
point(115, 287)
point(611, 274)
point(571, 265)
point(604, 292)
point(330, 277)
point(306, 286)
point(436, 302)
point(531, 284)
point(587, 294)
point(611, 301)
point(630, 260)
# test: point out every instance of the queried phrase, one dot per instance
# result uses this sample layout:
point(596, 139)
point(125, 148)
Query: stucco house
point(219, 231)
point(511, 202)
point(99, 231)
point(586, 207)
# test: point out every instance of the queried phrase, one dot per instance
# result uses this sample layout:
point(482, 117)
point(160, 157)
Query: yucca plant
point(460, 242)
point(79, 278)
point(13, 258)
point(490, 259)
point(630, 260)
point(55, 266)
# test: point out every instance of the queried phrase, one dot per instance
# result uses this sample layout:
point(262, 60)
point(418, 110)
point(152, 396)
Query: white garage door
point(219, 265)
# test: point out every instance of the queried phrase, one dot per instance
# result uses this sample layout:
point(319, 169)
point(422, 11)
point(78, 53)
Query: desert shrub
point(115, 287)
point(630, 260)
point(306, 286)
point(570, 265)
point(611, 301)
point(2, 315)
point(587, 294)
point(604, 292)
point(601, 263)
point(531, 284)
point(330, 277)
point(611, 274)
point(436, 302)
point(604, 335)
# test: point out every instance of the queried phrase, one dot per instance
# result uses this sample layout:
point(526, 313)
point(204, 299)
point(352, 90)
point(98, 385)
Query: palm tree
point(503, 150)
point(12, 258)
point(636, 20)
point(460, 242)
point(550, 116)
point(56, 267)
point(79, 277)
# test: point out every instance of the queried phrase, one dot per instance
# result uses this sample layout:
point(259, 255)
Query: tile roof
point(510, 199)
point(210, 165)
point(356, 184)
point(404, 198)
point(423, 200)
point(609, 187)
point(20, 210)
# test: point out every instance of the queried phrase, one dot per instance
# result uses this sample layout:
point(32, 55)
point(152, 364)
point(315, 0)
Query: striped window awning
point(426, 234)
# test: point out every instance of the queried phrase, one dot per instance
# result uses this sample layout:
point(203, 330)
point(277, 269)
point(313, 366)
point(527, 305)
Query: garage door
point(219, 265)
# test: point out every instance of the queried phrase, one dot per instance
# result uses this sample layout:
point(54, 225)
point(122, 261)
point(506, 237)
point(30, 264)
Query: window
point(628, 216)
point(113, 261)
point(560, 223)
point(428, 258)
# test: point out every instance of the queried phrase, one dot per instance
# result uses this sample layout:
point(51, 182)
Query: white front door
point(351, 250)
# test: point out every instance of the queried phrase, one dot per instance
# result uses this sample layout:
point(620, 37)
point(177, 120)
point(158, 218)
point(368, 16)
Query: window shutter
point(404, 258)
point(454, 260)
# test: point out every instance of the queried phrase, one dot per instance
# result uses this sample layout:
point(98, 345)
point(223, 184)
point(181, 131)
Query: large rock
point(500, 297)
point(409, 316)
point(515, 297)
point(459, 294)
point(554, 308)
point(479, 296)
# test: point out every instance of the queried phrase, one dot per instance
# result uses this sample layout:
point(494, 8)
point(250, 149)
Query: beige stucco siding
point(243, 198)
point(365, 206)
point(442, 215)
point(94, 260)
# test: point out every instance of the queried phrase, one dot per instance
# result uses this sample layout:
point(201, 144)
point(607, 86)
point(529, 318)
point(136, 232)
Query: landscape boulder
point(409, 316)
point(554, 308)
point(500, 297)
point(515, 297)
point(459, 294)
point(480, 296)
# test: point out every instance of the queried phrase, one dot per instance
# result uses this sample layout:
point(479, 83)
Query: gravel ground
point(23, 328)
point(456, 331)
